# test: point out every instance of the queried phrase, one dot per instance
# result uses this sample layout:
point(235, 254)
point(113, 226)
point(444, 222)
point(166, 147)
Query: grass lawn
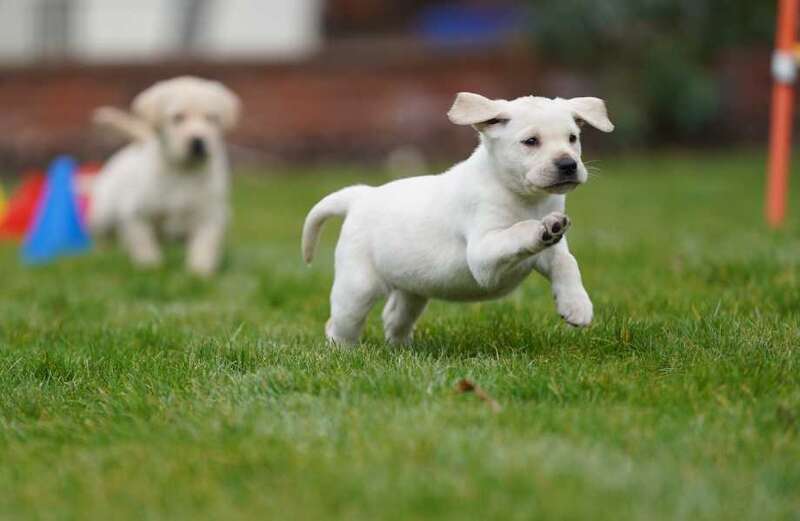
point(128, 395)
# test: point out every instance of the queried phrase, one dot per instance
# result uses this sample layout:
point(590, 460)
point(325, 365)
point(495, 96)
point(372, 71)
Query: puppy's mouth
point(190, 163)
point(556, 187)
point(561, 187)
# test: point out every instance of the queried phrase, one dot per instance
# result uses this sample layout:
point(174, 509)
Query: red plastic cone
point(21, 208)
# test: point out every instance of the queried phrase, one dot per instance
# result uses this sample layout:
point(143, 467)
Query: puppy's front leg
point(491, 255)
point(139, 239)
point(205, 245)
point(572, 301)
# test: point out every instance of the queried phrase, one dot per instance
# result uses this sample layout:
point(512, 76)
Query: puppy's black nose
point(197, 148)
point(566, 166)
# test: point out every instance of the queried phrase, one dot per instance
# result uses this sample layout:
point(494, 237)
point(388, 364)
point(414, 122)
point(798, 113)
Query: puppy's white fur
point(472, 233)
point(172, 180)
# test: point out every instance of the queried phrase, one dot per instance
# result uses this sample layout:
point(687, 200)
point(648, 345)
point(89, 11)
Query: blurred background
point(371, 80)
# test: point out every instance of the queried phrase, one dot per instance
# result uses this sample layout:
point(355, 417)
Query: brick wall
point(343, 105)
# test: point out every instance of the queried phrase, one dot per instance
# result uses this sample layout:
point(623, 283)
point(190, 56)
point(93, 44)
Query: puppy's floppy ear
point(230, 105)
point(592, 111)
point(149, 105)
point(473, 109)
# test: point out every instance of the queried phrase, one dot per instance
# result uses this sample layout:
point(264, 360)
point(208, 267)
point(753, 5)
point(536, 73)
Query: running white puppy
point(472, 233)
point(172, 180)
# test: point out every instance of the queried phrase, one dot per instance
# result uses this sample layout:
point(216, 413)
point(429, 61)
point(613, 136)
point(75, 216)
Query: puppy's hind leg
point(400, 314)
point(353, 295)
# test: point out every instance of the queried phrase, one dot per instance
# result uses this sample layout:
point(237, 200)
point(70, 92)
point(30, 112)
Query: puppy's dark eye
point(178, 118)
point(531, 142)
point(213, 118)
point(494, 121)
point(573, 138)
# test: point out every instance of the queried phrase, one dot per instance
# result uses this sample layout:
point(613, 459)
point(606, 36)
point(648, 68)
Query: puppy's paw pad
point(554, 226)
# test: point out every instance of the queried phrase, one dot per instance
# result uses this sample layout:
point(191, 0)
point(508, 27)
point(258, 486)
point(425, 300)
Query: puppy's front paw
point(554, 226)
point(575, 307)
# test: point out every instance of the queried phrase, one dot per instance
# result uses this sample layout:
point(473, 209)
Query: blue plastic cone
point(57, 229)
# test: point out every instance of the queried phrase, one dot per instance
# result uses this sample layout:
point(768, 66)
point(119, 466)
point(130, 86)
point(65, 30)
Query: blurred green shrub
point(655, 57)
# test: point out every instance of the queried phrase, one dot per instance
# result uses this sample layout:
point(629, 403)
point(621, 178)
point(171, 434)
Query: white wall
point(16, 31)
point(267, 28)
point(111, 30)
point(147, 30)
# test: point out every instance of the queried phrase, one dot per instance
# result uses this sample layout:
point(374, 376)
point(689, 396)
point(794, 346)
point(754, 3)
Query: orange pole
point(784, 71)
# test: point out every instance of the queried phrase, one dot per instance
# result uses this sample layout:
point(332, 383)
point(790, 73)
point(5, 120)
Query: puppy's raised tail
point(335, 204)
point(126, 125)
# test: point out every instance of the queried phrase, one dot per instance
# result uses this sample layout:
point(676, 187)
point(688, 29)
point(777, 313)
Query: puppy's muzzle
point(567, 169)
point(198, 148)
point(563, 176)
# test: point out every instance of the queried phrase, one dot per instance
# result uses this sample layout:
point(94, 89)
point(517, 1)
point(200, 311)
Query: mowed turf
point(133, 395)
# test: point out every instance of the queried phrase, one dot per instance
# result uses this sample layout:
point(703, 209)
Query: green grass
point(127, 395)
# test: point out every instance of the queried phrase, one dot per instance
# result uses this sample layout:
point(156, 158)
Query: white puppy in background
point(172, 181)
point(472, 233)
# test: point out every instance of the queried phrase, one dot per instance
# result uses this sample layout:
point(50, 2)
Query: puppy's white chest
point(451, 278)
point(426, 253)
point(177, 204)
point(182, 198)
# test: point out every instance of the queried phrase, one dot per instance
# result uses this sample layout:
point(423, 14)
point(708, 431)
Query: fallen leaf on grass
point(468, 386)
